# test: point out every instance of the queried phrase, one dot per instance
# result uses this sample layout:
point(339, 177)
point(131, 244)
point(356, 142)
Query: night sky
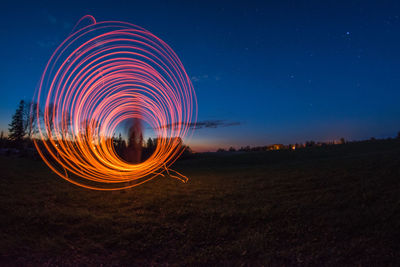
point(264, 72)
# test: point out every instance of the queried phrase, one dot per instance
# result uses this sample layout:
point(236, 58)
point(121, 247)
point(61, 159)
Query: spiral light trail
point(101, 75)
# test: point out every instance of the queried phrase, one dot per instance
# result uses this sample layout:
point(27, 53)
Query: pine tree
point(1, 139)
point(17, 129)
point(30, 118)
point(150, 144)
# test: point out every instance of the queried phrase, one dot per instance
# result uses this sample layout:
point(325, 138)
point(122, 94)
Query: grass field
point(332, 206)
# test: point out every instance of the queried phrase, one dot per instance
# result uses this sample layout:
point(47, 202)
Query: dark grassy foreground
point(321, 206)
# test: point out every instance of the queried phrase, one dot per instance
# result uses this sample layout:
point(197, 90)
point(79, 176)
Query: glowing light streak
point(101, 75)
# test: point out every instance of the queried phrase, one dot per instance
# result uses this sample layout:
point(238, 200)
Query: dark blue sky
point(280, 72)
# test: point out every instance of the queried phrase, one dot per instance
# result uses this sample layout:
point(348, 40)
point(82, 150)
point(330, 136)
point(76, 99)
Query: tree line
point(307, 144)
point(23, 130)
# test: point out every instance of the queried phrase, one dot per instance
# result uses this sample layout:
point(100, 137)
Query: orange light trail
point(101, 75)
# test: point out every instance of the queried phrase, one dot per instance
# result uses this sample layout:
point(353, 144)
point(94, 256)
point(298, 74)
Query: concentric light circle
point(101, 75)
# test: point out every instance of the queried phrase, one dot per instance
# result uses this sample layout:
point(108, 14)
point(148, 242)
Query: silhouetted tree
point(17, 131)
point(150, 144)
point(2, 139)
point(398, 135)
point(149, 149)
point(187, 151)
point(119, 145)
point(65, 123)
point(155, 142)
point(51, 108)
point(89, 130)
point(30, 118)
point(232, 149)
point(310, 143)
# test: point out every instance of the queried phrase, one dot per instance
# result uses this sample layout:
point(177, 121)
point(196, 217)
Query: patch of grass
point(336, 205)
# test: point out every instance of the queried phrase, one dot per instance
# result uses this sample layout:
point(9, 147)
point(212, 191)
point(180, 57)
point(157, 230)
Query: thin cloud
point(205, 77)
point(211, 124)
point(199, 78)
point(46, 44)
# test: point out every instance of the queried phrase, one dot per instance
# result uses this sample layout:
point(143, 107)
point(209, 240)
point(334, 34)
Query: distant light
point(347, 33)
